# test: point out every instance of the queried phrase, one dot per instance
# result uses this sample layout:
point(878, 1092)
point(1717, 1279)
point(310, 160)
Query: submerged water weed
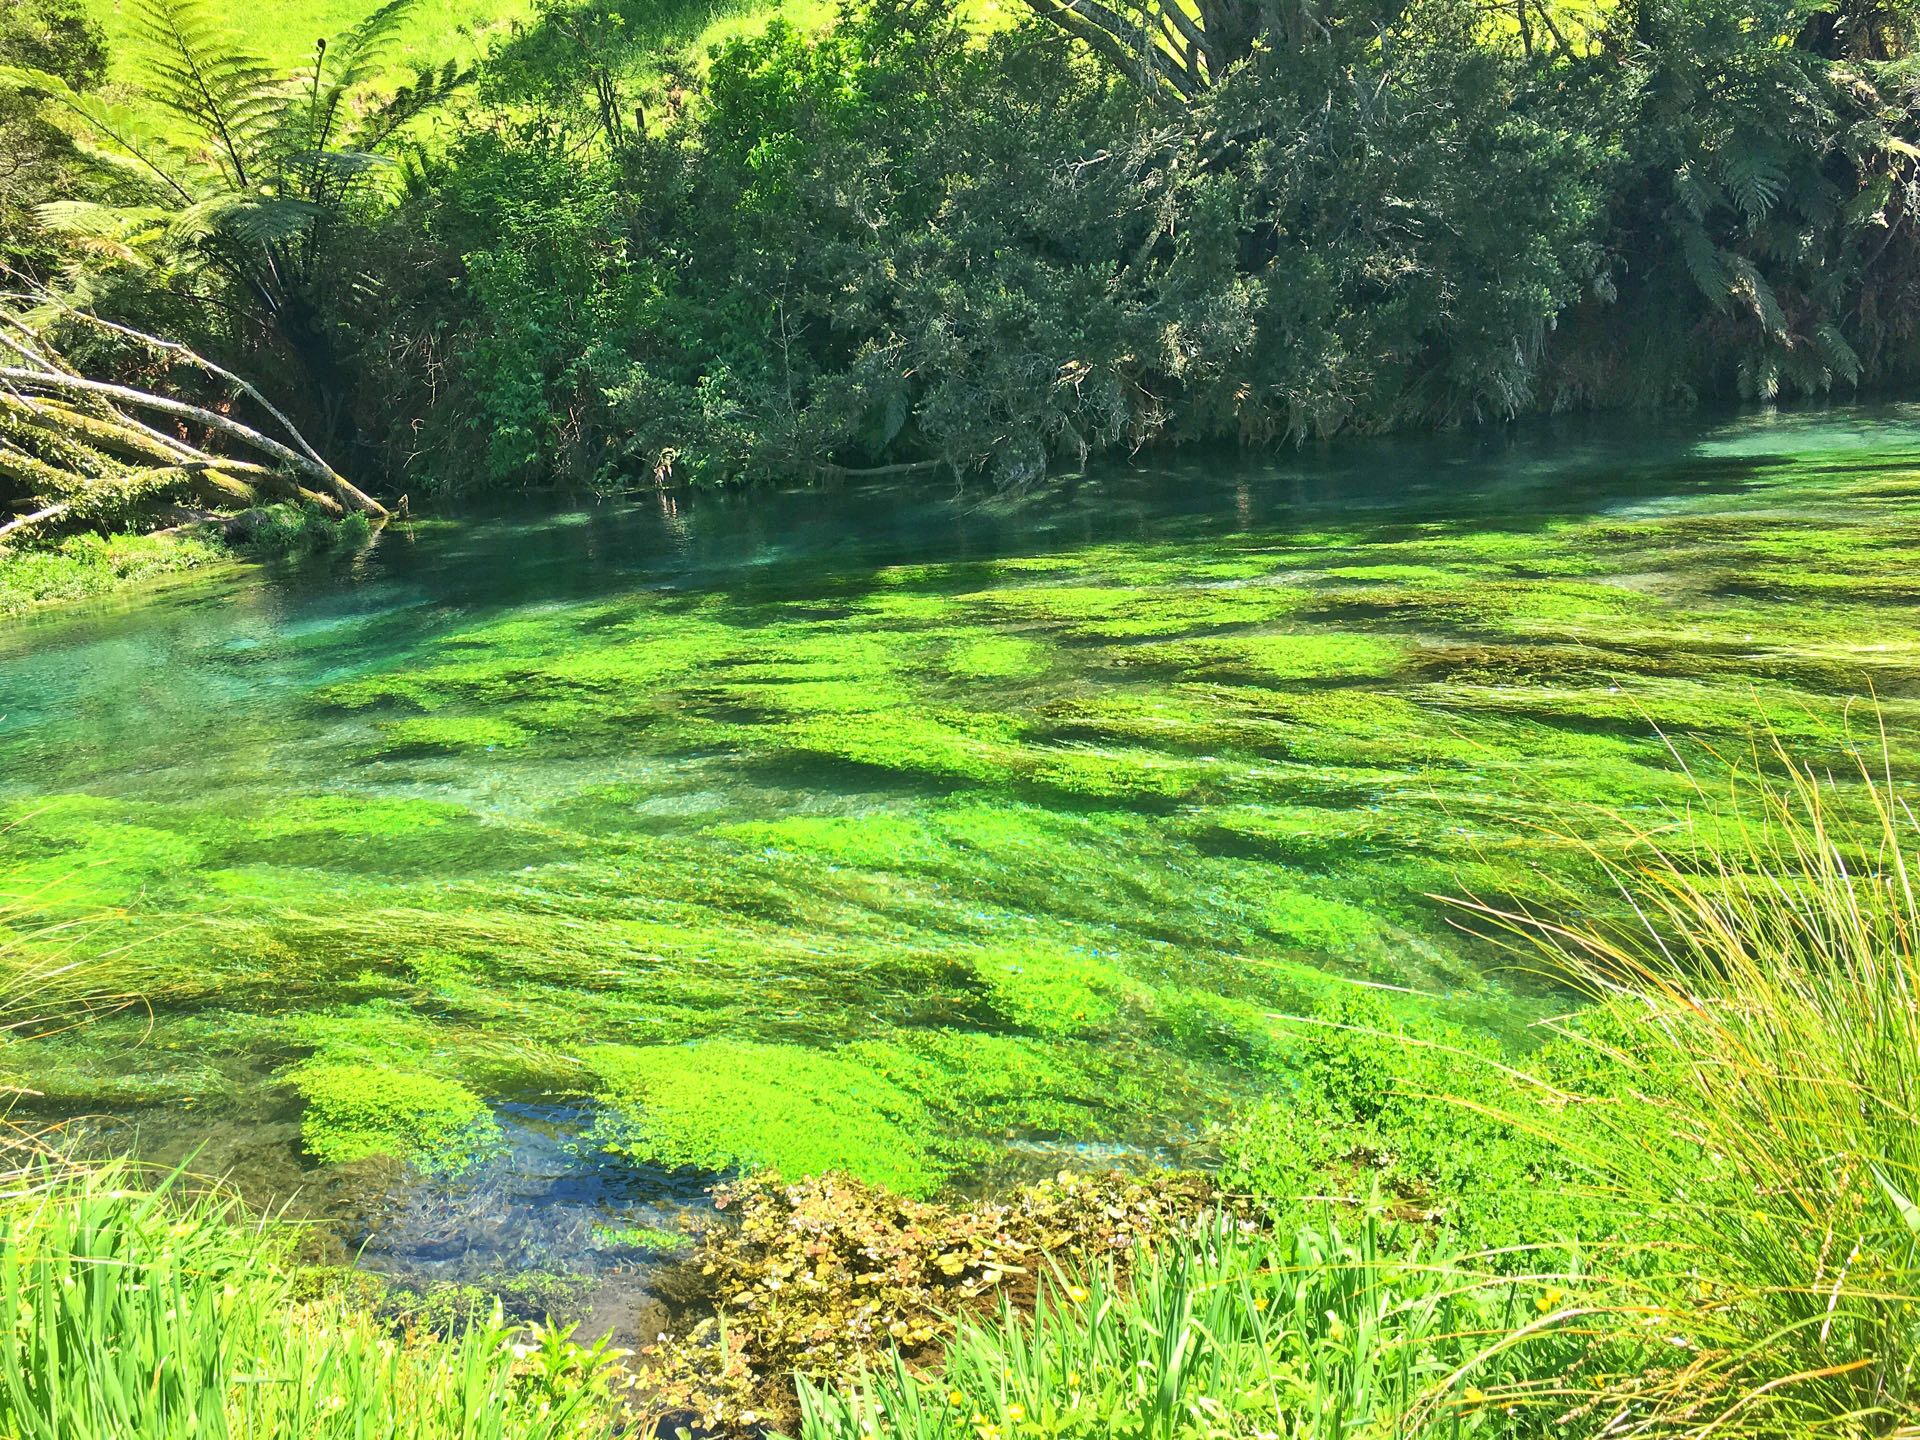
point(726, 1105)
point(1088, 805)
point(353, 1111)
point(643, 1239)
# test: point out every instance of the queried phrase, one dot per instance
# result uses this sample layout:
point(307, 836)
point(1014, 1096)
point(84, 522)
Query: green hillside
point(285, 31)
point(439, 30)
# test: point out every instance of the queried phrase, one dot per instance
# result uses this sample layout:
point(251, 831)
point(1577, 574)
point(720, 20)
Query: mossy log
point(69, 441)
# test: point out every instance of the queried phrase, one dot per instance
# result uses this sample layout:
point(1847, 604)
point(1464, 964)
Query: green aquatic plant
point(353, 1111)
point(643, 1239)
point(996, 657)
point(451, 733)
point(1068, 994)
point(722, 1105)
point(1216, 778)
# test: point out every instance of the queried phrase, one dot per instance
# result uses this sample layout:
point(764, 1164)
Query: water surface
point(534, 868)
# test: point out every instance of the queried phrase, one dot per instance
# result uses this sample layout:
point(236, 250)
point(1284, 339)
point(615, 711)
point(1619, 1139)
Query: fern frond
point(430, 87)
point(1691, 191)
point(1707, 264)
point(252, 221)
point(1840, 357)
point(198, 71)
point(1759, 294)
point(1755, 178)
point(115, 135)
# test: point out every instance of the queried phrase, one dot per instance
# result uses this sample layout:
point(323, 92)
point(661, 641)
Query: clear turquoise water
point(935, 836)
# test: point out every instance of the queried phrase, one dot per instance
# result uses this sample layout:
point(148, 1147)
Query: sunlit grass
point(1768, 1003)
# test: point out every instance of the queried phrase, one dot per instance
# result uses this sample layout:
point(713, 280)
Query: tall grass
point(1231, 1332)
point(1767, 1000)
point(130, 1311)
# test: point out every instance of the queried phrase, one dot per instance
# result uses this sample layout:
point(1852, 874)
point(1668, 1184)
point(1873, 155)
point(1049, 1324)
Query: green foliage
point(129, 1312)
point(1765, 1007)
point(353, 1111)
point(270, 530)
point(1228, 1331)
point(59, 38)
point(235, 187)
point(1458, 1135)
point(80, 566)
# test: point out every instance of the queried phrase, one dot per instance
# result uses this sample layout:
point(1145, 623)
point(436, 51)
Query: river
point(495, 889)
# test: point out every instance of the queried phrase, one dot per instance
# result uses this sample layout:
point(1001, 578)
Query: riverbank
point(39, 572)
point(81, 567)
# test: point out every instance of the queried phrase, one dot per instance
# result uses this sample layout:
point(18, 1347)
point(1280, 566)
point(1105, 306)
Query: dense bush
point(904, 243)
point(916, 241)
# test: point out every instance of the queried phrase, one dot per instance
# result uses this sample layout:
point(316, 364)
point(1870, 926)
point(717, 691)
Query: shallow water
point(580, 857)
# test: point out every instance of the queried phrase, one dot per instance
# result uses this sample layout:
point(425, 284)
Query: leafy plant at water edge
point(822, 1275)
point(1228, 1331)
point(126, 1311)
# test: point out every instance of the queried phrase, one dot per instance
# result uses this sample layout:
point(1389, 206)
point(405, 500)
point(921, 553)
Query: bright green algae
point(913, 866)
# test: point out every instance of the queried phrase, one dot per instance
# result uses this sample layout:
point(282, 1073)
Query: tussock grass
point(1768, 1003)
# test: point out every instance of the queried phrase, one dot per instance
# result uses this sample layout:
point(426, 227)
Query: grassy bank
point(138, 1312)
point(82, 566)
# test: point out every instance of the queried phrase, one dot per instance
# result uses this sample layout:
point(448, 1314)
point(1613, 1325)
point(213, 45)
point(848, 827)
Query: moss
point(354, 1111)
point(726, 1104)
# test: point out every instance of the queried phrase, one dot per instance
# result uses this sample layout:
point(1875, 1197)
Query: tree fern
point(225, 94)
point(252, 169)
